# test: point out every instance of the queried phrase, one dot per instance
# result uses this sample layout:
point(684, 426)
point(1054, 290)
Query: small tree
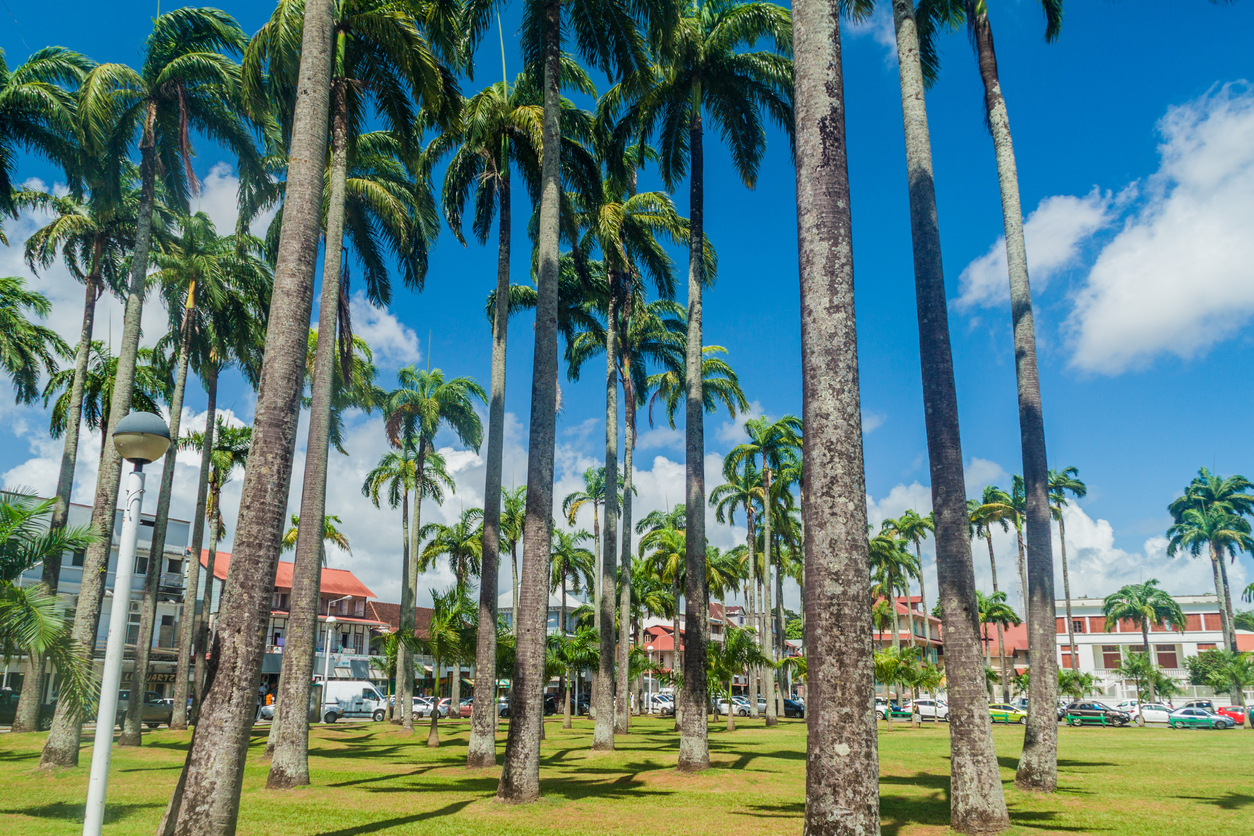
point(1138, 668)
point(892, 667)
point(1234, 673)
point(738, 652)
point(1076, 684)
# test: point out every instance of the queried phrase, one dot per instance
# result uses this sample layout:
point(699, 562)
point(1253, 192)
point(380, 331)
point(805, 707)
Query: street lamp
point(326, 669)
point(140, 438)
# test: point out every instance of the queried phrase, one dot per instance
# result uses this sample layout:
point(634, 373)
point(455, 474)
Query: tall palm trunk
point(131, 734)
point(187, 636)
point(203, 633)
point(289, 766)
point(61, 748)
point(1038, 767)
point(433, 731)
point(1023, 572)
point(1001, 640)
point(603, 685)
point(1149, 656)
point(694, 745)
point(622, 709)
point(751, 595)
point(520, 777)
point(1066, 588)
point(481, 752)
point(206, 801)
point(409, 595)
point(842, 775)
point(1225, 603)
point(27, 713)
point(781, 647)
point(677, 649)
point(1216, 565)
point(768, 608)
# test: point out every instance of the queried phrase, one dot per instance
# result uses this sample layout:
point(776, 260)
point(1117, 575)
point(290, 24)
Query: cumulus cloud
point(1177, 278)
point(1054, 234)
point(394, 344)
point(879, 28)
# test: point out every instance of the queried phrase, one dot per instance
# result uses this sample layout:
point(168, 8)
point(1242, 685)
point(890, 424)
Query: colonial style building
point(164, 654)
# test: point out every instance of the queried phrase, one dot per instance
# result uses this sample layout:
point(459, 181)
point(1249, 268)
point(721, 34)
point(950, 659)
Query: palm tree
point(151, 387)
point(330, 534)
point(1061, 483)
point(513, 517)
point(203, 806)
point(578, 651)
point(230, 450)
point(30, 622)
point(1147, 605)
point(226, 330)
point(615, 48)
point(842, 790)
point(37, 111)
point(737, 652)
point(993, 609)
point(662, 548)
point(743, 490)
point(462, 544)
point(185, 83)
point(772, 442)
point(705, 67)
point(423, 402)
point(570, 563)
point(450, 639)
point(1231, 493)
point(913, 528)
point(1216, 529)
point(227, 273)
point(992, 509)
point(593, 494)
point(25, 347)
point(894, 666)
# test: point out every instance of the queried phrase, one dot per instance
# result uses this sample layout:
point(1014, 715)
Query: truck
point(351, 698)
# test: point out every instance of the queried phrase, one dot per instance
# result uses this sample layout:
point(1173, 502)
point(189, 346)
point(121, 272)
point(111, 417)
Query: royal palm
point(1147, 606)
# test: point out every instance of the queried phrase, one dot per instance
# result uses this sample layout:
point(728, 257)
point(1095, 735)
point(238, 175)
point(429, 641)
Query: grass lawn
point(369, 778)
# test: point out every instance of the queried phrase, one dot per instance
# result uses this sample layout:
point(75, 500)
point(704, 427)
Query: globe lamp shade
point(141, 437)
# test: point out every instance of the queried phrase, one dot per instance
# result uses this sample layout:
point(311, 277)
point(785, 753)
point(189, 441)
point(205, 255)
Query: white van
point(351, 698)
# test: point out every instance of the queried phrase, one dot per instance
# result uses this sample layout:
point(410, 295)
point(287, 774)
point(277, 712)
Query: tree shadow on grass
point(1048, 820)
point(1227, 801)
point(387, 824)
point(18, 756)
point(74, 812)
point(1011, 762)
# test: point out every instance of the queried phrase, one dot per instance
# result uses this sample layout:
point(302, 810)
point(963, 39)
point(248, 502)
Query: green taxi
point(1002, 712)
point(1198, 718)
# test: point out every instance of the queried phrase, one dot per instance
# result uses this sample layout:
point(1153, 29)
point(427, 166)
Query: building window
point(1166, 654)
point(1205, 646)
point(359, 607)
point(78, 557)
point(141, 564)
point(1110, 656)
point(1066, 656)
point(132, 624)
point(1077, 625)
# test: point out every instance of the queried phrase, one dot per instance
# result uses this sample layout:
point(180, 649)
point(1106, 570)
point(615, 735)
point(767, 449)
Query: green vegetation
point(371, 778)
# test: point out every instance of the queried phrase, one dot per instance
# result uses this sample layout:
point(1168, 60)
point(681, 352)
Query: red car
point(466, 707)
point(1233, 712)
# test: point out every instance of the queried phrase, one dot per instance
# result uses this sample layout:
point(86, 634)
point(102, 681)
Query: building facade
point(163, 655)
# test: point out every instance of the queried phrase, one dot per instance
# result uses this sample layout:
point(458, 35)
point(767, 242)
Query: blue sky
point(1134, 137)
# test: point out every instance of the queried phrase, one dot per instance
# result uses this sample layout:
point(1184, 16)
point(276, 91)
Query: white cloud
point(219, 199)
point(394, 344)
point(732, 432)
point(878, 27)
point(1053, 234)
point(1178, 278)
point(871, 421)
point(980, 472)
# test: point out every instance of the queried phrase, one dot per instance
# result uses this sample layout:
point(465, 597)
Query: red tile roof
point(334, 581)
point(390, 614)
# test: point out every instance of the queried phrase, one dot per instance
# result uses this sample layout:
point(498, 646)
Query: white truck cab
point(351, 698)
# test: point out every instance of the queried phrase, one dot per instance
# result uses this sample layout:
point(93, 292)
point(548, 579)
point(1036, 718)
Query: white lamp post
point(140, 438)
point(326, 668)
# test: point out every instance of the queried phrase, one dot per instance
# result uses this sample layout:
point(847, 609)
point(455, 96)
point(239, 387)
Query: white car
point(739, 706)
point(927, 707)
point(1150, 712)
point(1128, 706)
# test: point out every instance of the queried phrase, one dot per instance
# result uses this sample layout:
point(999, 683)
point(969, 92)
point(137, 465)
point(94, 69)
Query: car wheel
point(330, 717)
point(1171, 724)
point(1075, 721)
point(44, 723)
point(879, 715)
point(1023, 721)
point(378, 716)
point(153, 725)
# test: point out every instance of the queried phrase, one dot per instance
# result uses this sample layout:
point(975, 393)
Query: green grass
point(370, 778)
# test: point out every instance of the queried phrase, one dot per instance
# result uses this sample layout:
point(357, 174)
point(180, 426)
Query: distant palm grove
point(339, 116)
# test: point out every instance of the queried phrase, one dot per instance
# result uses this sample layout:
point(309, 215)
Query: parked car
point(1232, 712)
point(1095, 714)
point(792, 708)
point(740, 709)
point(885, 708)
point(662, 704)
point(8, 710)
point(154, 712)
point(550, 706)
point(351, 698)
point(1198, 718)
point(583, 705)
point(466, 708)
point(1002, 712)
point(927, 707)
point(1152, 712)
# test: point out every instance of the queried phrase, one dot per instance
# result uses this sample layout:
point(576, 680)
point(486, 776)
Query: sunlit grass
point(370, 778)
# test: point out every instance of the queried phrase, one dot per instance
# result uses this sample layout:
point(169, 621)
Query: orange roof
point(334, 581)
point(1245, 641)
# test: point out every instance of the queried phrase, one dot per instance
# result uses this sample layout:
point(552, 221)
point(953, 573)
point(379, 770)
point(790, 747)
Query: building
point(164, 654)
point(1099, 651)
point(343, 647)
point(911, 629)
point(505, 610)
